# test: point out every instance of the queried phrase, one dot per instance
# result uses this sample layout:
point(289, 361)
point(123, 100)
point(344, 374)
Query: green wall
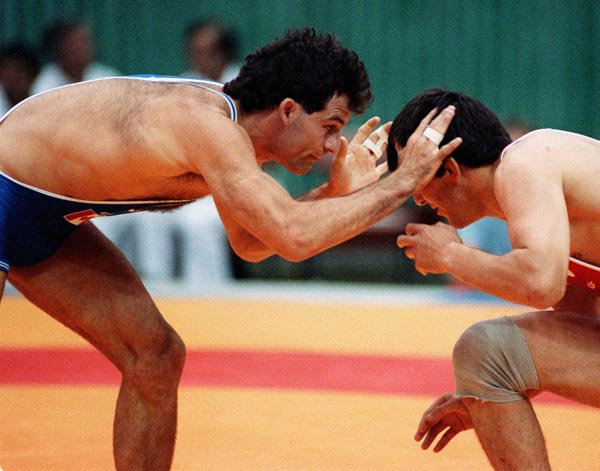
point(535, 59)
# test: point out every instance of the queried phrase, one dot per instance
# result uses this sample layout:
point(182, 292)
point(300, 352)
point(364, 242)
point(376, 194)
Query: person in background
point(71, 49)
point(211, 51)
point(19, 67)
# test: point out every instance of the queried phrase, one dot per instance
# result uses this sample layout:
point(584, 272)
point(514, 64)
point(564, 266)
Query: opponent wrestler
point(126, 144)
point(545, 186)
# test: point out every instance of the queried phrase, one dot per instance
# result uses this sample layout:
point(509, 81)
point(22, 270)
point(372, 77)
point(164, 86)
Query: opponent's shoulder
point(537, 148)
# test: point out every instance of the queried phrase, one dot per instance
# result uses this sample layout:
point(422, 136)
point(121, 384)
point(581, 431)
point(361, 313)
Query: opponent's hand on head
point(355, 165)
point(421, 157)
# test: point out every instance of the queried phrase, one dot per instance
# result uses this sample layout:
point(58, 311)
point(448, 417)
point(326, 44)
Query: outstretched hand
point(447, 413)
point(355, 165)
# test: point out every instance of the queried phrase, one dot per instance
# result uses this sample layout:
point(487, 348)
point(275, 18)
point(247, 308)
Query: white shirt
point(5, 105)
point(52, 76)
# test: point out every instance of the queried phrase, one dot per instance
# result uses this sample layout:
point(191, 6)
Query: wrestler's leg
point(565, 348)
point(90, 287)
point(510, 435)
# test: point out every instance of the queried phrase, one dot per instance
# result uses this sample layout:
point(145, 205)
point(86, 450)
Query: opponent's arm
point(262, 219)
point(533, 273)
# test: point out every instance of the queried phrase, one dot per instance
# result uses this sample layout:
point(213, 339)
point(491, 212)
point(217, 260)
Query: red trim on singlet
point(584, 274)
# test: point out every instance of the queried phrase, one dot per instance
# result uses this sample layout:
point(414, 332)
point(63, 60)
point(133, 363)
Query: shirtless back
point(145, 141)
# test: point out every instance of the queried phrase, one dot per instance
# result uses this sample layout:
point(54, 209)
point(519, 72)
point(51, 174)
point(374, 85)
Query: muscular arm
point(262, 219)
point(533, 273)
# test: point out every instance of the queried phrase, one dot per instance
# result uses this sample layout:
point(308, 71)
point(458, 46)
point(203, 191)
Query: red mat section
point(247, 369)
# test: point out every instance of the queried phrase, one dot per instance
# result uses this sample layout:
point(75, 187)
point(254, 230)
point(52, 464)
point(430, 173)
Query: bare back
point(112, 139)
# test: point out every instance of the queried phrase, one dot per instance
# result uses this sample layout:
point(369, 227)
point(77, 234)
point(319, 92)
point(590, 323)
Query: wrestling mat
point(269, 385)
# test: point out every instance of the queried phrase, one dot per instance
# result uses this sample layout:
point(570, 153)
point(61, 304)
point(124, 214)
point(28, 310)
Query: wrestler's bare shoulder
point(552, 143)
point(113, 135)
point(121, 106)
point(570, 160)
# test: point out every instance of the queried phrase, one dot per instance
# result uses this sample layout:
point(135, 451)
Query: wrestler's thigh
point(565, 346)
point(90, 287)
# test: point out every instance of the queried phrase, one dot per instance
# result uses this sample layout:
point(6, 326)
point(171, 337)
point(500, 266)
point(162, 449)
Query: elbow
point(251, 257)
point(296, 245)
point(249, 252)
point(545, 295)
point(291, 245)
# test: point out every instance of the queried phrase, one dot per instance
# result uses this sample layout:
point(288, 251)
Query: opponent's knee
point(492, 362)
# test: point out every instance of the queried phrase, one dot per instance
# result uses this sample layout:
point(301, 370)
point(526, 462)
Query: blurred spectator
point(211, 51)
point(19, 67)
point(72, 56)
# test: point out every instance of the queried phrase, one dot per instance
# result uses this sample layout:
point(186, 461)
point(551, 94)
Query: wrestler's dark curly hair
point(483, 135)
point(305, 66)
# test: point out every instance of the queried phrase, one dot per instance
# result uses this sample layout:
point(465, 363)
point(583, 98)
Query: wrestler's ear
point(288, 110)
point(450, 169)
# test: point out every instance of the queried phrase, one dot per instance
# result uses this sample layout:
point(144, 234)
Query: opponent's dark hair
point(484, 137)
point(305, 66)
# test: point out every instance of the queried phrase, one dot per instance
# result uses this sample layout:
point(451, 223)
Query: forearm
point(317, 193)
point(510, 276)
point(337, 219)
point(297, 230)
point(310, 224)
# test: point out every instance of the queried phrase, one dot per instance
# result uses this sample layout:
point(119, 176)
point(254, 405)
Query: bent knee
point(159, 362)
point(492, 362)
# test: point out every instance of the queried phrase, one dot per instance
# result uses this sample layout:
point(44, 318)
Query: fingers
point(364, 130)
point(446, 415)
point(434, 130)
point(441, 121)
point(377, 140)
point(406, 239)
point(432, 434)
point(447, 149)
point(431, 415)
point(374, 141)
point(403, 241)
point(343, 150)
point(446, 438)
point(425, 121)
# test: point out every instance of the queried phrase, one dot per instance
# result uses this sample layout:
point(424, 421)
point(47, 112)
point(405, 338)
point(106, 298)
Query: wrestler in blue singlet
point(34, 223)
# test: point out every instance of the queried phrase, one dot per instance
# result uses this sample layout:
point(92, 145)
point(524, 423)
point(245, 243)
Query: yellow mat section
point(57, 428)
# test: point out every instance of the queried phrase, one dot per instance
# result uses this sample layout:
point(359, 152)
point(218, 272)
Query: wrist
point(453, 251)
